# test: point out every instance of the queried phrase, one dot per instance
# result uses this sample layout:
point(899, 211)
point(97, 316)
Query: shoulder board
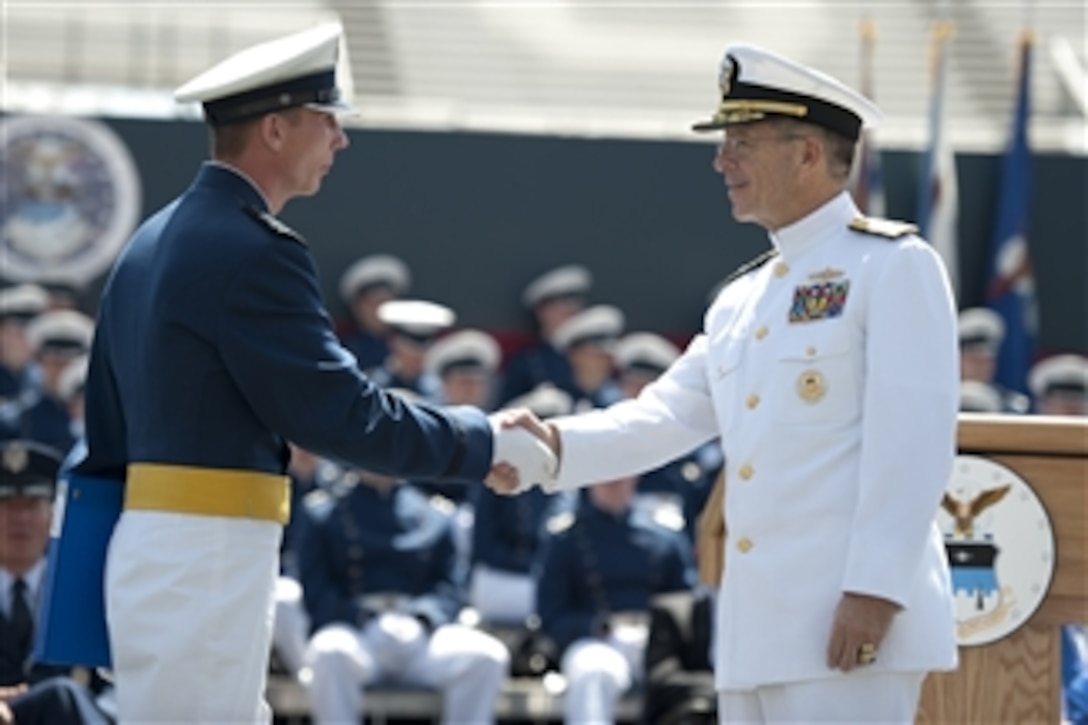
point(750, 266)
point(274, 225)
point(886, 228)
point(560, 522)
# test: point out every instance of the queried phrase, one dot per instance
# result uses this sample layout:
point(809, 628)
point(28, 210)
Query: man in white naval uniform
point(829, 369)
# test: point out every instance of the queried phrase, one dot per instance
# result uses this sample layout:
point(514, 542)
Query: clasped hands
point(525, 452)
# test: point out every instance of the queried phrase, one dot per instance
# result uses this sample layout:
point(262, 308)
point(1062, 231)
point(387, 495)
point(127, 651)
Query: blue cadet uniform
point(507, 534)
point(541, 362)
point(382, 587)
point(981, 332)
point(28, 472)
point(58, 338)
point(212, 350)
point(363, 287)
point(587, 340)
point(597, 576)
point(18, 306)
point(413, 326)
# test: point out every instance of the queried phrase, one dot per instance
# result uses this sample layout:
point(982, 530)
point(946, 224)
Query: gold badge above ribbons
point(811, 386)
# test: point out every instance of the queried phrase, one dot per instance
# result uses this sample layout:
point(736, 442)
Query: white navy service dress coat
point(831, 375)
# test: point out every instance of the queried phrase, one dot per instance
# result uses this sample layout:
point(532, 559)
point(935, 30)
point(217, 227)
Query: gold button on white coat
point(752, 401)
point(746, 472)
point(744, 545)
point(761, 332)
point(781, 269)
point(810, 351)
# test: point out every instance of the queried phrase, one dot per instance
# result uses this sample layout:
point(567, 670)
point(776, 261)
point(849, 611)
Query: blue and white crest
point(72, 197)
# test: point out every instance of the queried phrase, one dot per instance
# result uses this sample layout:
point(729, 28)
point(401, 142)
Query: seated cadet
point(587, 340)
point(981, 331)
point(597, 577)
point(57, 338)
point(464, 363)
point(18, 306)
point(509, 531)
point(382, 589)
point(365, 285)
point(680, 487)
point(553, 297)
point(1059, 385)
point(290, 624)
point(413, 326)
point(31, 691)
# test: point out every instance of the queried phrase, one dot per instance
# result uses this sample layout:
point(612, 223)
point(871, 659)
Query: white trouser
point(189, 608)
point(598, 672)
point(501, 596)
point(887, 698)
point(469, 667)
point(291, 625)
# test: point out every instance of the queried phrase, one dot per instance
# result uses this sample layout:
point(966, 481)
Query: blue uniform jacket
point(365, 541)
point(624, 560)
point(212, 348)
point(507, 531)
point(533, 366)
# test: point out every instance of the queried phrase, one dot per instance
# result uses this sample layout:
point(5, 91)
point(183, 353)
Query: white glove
point(533, 459)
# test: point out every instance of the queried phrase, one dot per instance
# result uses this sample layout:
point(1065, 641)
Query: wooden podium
point(1018, 679)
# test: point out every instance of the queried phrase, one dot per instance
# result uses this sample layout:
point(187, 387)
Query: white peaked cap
point(416, 317)
point(296, 70)
point(465, 348)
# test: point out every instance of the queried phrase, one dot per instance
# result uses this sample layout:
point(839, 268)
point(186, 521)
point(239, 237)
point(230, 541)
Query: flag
point(869, 181)
point(938, 193)
point(1011, 288)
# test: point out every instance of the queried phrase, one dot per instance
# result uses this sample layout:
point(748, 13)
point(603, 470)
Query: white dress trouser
point(291, 625)
point(501, 596)
point(878, 698)
point(467, 665)
point(189, 608)
point(598, 672)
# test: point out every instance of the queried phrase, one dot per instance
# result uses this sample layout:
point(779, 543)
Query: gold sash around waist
point(208, 491)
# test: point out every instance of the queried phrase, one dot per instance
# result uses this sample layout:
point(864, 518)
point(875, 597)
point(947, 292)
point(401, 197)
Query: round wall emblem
point(72, 197)
point(1000, 546)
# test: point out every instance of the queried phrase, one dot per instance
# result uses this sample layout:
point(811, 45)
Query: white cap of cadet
point(566, 281)
point(296, 70)
point(376, 270)
point(416, 318)
point(472, 350)
point(600, 324)
point(756, 84)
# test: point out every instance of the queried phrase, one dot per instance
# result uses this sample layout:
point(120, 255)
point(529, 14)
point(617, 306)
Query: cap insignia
point(15, 458)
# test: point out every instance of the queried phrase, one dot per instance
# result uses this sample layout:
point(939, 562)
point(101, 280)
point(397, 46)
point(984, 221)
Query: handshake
point(524, 453)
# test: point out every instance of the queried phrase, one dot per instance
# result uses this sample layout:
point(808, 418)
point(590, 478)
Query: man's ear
point(272, 129)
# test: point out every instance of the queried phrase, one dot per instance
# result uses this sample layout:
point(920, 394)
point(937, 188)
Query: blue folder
point(72, 618)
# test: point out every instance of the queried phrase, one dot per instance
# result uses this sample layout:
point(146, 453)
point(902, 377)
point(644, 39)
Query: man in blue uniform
point(413, 326)
point(32, 692)
point(57, 338)
point(18, 306)
point(587, 340)
point(212, 351)
point(508, 532)
point(382, 586)
point(597, 577)
point(364, 287)
point(553, 297)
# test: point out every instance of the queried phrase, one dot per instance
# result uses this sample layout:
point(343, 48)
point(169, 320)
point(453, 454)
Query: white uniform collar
point(832, 217)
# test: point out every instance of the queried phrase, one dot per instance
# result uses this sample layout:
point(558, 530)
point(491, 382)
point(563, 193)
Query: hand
point(860, 619)
point(522, 454)
point(6, 715)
